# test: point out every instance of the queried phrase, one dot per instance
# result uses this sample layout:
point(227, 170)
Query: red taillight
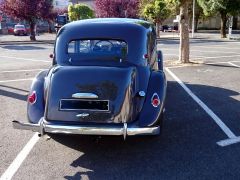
point(32, 97)
point(155, 100)
point(145, 56)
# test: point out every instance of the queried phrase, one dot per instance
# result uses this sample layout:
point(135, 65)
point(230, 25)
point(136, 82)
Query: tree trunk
point(49, 26)
point(157, 29)
point(184, 34)
point(196, 22)
point(235, 22)
point(32, 31)
point(223, 24)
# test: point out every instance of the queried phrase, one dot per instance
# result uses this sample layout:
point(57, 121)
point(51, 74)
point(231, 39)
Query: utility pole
point(230, 27)
point(193, 18)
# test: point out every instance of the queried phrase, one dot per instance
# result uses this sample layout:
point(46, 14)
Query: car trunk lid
point(91, 94)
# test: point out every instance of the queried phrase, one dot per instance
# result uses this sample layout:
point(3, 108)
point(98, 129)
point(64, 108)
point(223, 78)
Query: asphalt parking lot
point(200, 134)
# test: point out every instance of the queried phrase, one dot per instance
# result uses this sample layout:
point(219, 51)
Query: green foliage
point(211, 7)
point(80, 11)
point(156, 11)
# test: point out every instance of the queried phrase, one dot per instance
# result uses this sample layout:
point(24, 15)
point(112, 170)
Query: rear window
point(19, 26)
point(97, 49)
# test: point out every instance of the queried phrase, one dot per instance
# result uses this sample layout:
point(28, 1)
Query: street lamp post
point(193, 19)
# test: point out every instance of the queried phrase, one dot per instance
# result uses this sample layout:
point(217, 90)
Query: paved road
point(187, 149)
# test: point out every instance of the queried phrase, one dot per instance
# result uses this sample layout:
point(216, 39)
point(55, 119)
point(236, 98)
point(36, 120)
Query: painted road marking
point(217, 120)
point(165, 54)
point(24, 70)
point(221, 62)
point(15, 80)
point(209, 63)
point(14, 166)
point(216, 46)
point(233, 64)
point(24, 59)
point(228, 142)
point(215, 57)
point(205, 57)
point(203, 51)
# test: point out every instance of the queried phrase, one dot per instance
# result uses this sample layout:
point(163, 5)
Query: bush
point(80, 11)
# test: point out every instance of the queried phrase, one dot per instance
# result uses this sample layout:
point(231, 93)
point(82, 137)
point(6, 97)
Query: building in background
point(90, 3)
point(60, 4)
point(64, 3)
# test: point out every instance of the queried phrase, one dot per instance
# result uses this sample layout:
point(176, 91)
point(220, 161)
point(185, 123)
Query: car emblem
point(85, 96)
point(82, 115)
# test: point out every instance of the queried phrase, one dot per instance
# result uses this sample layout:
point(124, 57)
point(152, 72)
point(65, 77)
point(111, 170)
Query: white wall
point(60, 3)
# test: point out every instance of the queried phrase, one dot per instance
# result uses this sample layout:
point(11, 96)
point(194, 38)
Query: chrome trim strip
point(82, 115)
point(124, 131)
point(45, 127)
point(155, 94)
point(84, 96)
point(98, 110)
point(141, 93)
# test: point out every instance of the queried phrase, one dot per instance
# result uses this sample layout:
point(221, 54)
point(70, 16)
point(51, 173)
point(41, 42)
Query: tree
point(182, 5)
point(198, 14)
point(156, 11)
point(223, 7)
point(80, 11)
point(117, 8)
point(29, 10)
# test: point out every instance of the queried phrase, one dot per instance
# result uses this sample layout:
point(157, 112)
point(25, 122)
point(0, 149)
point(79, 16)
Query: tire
point(160, 60)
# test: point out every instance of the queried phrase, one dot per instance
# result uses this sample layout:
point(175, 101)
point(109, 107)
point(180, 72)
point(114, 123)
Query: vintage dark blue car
point(107, 79)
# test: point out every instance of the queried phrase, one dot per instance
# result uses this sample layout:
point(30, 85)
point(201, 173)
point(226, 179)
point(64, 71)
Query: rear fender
point(36, 111)
point(149, 114)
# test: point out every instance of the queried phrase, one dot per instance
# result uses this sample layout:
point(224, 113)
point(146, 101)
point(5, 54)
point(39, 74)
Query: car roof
point(133, 31)
point(104, 27)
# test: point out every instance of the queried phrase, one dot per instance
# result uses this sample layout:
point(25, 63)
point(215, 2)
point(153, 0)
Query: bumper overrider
point(44, 127)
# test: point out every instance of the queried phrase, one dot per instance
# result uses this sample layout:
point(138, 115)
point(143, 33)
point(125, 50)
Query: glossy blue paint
point(36, 111)
point(116, 81)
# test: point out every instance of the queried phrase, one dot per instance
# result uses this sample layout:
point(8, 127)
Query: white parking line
point(210, 51)
point(221, 62)
point(233, 64)
point(203, 51)
point(167, 54)
point(24, 59)
point(15, 80)
point(24, 70)
point(216, 46)
point(232, 138)
point(205, 57)
point(215, 57)
point(12, 169)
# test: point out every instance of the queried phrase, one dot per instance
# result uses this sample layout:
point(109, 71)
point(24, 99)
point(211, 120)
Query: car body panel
point(97, 96)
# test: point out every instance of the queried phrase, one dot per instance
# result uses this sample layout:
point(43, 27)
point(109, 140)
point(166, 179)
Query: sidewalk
point(42, 38)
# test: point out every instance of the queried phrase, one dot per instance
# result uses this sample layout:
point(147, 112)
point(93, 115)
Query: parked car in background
point(19, 30)
point(10, 29)
point(168, 28)
point(103, 81)
point(165, 28)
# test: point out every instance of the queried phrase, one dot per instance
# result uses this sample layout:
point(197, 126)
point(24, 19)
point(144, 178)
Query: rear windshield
point(19, 26)
point(97, 49)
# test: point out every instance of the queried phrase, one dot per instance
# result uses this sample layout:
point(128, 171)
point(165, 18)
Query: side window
point(79, 46)
point(71, 46)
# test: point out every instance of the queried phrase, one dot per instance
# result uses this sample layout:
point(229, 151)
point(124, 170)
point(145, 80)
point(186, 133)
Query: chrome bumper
point(45, 127)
